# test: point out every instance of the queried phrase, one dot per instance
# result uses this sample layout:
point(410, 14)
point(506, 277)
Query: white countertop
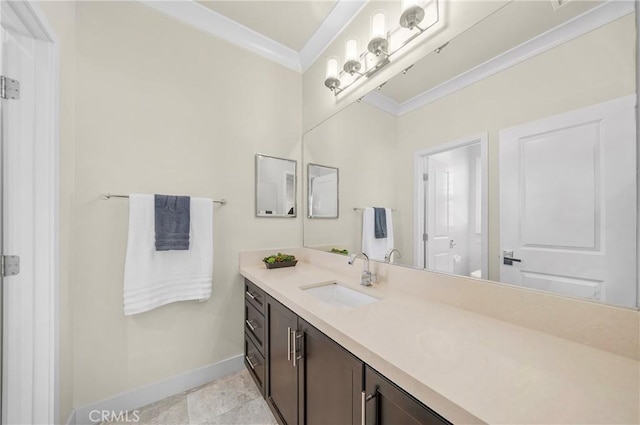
point(467, 367)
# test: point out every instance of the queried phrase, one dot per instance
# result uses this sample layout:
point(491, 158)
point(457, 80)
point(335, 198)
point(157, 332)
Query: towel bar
point(106, 196)
point(362, 209)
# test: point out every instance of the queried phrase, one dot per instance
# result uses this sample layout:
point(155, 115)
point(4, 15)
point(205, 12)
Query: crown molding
point(340, 16)
point(377, 99)
point(218, 25)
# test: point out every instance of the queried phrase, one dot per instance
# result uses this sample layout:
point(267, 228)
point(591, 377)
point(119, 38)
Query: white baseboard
point(157, 391)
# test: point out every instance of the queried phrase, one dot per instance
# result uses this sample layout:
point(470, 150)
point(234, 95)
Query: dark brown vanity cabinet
point(385, 403)
point(282, 377)
point(254, 333)
point(312, 380)
point(307, 378)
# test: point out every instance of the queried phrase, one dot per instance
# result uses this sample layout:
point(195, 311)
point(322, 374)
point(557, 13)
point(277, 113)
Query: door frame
point(46, 359)
point(419, 196)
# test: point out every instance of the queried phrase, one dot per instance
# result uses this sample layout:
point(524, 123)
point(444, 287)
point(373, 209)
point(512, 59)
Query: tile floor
point(232, 400)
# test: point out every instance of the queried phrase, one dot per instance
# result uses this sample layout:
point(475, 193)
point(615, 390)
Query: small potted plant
point(280, 260)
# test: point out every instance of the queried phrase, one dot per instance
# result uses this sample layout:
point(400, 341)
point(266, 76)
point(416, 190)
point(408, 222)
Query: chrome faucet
point(367, 278)
point(389, 255)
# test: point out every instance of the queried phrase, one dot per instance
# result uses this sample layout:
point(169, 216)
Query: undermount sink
point(339, 295)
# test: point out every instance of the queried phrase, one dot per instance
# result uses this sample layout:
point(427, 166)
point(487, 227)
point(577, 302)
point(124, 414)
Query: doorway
point(28, 199)
point(450, 208)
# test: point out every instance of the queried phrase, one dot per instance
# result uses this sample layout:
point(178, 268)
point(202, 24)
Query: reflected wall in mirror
point(552, 203)
point(323, 191)
point(275, 187)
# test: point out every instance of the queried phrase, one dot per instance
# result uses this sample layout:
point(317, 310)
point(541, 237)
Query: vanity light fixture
point(332, 81)
point(412, 14)
point(352, 60)
point(378, 53)
point(379, 43)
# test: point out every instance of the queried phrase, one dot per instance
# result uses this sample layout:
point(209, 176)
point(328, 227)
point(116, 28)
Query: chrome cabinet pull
point(296, 355)
point(251, 326)
point(250, 294)
point(248, 359)
point(288, 344)
point(365, 398)
point(364, 409)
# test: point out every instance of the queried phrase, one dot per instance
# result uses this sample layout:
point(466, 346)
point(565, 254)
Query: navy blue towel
point(172, 222)
point(380, 222)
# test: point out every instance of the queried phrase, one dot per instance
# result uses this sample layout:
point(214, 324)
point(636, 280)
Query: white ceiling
point(291, 22)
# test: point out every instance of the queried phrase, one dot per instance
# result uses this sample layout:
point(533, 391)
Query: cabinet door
point(330, 381)
point(282, 376)
point(389, 405)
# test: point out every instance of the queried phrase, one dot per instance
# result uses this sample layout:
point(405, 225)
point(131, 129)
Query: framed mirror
point(275, 187)
point(322, 191)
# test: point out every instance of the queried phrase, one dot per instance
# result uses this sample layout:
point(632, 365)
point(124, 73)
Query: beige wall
point(358, 141)
point(593, 68)
point(61, 16)
point(152, 116)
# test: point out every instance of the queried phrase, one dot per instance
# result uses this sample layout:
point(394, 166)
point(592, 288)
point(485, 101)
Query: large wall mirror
point(275, 187)
point(509, 155)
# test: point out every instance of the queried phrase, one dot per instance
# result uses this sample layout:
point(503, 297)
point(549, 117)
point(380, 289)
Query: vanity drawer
point(254, 325)
point(255, 363)
point(254, 295)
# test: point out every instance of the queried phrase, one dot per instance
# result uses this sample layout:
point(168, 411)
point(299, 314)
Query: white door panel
point(568, 202)
point(324, 202)
point(29, 184)
point(438, 244)
point(559, 175)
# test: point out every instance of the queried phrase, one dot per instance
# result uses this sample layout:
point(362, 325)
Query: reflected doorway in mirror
point(450, 203)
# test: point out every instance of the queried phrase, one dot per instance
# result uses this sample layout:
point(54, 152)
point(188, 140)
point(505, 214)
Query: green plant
point(279, 258)
point(340, 251)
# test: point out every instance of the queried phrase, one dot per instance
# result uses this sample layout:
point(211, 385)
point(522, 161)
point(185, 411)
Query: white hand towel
point(376, 249)
point(155, 278)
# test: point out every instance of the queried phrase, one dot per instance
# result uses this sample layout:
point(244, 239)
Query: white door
point(568, 203)
point(324, 202)
point(29, 180)
point(437, 217)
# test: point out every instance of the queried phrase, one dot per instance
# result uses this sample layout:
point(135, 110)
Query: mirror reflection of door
point(568, 203)
point(289, 193)
point(439, 242)
point(275, 187)
point(322, 191)
point(451, 211)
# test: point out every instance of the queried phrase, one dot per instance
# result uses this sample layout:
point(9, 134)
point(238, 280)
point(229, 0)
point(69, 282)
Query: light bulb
point(351, 53)
point(406, 4)
point(332, 68)
point(378, 26)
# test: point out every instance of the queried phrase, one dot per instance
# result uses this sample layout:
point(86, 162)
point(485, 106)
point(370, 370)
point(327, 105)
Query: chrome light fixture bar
point(377, 55)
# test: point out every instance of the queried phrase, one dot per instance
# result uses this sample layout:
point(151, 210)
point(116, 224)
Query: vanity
point(408, 358)
point(306, 377)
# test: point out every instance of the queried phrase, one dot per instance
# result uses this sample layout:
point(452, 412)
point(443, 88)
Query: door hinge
point(9, 88)
point(425, 237)
point(425, 177)
point(10, 265)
